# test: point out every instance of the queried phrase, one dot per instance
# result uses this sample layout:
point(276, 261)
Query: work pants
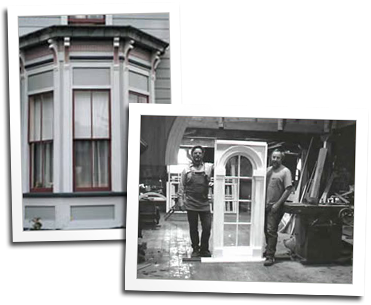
point(272, 220)
point(205, 218)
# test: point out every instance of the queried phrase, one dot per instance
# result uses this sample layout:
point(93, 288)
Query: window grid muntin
point(238, 200)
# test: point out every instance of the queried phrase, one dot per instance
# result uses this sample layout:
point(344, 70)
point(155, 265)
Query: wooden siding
point(31, 24)
point(158, 26)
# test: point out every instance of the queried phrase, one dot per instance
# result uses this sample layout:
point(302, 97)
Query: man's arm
point(181, 190)
point(288, 188)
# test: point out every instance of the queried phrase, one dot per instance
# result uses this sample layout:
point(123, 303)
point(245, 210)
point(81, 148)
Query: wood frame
point(88, 189)
point(137, 91)
point(256, 153)
point(41, 141)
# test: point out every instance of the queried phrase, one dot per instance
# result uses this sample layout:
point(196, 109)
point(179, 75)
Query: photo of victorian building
point(78, 75)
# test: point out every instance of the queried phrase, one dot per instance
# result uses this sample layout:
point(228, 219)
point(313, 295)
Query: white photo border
point(358, 283)
point(19, 235)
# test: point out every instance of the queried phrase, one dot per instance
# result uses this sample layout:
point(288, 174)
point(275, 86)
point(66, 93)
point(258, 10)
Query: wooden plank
point(314, 192)
point(303, 168)
point(342, 198)
point(191, 259)
point(308, 185)
point(143, 266)
point(327, 188)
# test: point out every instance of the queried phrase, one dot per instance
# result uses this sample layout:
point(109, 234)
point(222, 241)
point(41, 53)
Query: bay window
point(92, 143)
point(40, 138)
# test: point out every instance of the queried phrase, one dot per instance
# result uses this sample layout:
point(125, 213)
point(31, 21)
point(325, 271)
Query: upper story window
point(87, 19)
point(40, 138)
point(138, 85)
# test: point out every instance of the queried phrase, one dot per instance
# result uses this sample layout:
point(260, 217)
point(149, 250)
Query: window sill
point(75, 194)
point(41, 190)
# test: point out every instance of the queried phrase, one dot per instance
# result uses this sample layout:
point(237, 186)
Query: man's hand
point(268, 207)
point(275, 207)
point(272, 207)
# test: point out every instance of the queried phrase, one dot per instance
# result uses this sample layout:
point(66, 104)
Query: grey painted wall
point(156, 24)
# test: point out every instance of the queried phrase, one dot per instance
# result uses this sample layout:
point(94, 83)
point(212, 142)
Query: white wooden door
point(239, 201)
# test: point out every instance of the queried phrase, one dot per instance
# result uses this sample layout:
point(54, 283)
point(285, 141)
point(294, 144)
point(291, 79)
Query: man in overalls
point(193, 198)
point(279, 184)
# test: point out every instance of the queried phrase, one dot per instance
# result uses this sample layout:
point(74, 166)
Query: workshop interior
point(318, 220)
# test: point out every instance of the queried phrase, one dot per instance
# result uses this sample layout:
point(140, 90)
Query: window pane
point(142, 99)
point(230, 191)
point(48, 165)
point(245, 167)
point(91, 76)
point(231, 166)
point(244, 235)
point(229, 211)
point(83, 163)
point(40, 81)
point(244, 212)
point(100, 114)
point(47, 116)
point(36, 165)
point(245, 189)
point(100, 163)
point(230, 235)
point(35, 118)
point(133, 98)
point(138, 81)
point(137, 98)
point(82, 115)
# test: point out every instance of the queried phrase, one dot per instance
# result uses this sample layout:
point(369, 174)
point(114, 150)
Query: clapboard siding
point(32, 24)
point(163, 93)
point(156, 24)
point(163, 83)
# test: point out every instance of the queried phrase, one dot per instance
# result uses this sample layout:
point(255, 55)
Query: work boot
point(269, 261)
point(195, 252)
point(205, 253)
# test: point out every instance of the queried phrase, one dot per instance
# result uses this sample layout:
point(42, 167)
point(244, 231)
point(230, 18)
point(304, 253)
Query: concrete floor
point(168, 243)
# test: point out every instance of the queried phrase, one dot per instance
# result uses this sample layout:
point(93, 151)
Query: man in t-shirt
point(279, 184)
point(193, 198)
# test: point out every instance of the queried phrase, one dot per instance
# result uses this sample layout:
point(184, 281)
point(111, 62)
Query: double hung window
point(40, 138)
point(138, 86)
point(92, 143)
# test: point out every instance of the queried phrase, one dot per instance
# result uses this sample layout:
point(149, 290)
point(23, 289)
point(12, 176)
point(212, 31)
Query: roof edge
point(97, 31)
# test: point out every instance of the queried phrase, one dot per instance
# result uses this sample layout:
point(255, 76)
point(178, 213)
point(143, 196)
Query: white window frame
point(143, 72)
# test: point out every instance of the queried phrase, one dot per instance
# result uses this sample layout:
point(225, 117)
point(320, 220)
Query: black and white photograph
point(245, 199)
point(78, 74)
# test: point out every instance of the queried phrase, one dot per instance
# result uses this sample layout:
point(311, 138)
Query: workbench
point(317, 235)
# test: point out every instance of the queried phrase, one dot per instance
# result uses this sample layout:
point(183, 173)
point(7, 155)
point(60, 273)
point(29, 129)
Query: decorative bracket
point(116, 47)
point(67, 44)
point(22, 63)
point(155, 60)
point(54, 47)
point(128, 46)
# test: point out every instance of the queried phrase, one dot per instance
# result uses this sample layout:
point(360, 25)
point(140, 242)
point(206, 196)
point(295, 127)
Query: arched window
point(237, 201)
